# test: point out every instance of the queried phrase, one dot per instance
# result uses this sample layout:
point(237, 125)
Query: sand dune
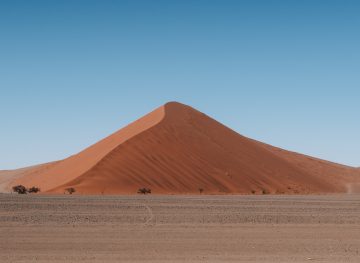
point(7, 177)
point(177, 150)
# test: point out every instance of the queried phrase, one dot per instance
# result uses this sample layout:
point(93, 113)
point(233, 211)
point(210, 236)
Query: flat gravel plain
point(204, 228)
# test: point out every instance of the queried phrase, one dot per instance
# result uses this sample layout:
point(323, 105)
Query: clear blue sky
point(283, 72)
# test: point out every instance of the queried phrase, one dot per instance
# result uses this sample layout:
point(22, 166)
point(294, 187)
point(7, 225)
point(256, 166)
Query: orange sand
point(177, 150)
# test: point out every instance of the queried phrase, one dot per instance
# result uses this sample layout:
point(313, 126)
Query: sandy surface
point(7, 177)
point(179, 228)
point(176, 150)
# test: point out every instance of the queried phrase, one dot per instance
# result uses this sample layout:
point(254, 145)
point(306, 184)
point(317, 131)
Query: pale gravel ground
point(40, 228)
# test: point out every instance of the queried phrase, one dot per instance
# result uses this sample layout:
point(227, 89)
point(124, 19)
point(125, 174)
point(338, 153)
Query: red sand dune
point(176, 150)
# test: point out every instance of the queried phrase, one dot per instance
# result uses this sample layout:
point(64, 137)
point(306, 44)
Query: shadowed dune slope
point(177, 150)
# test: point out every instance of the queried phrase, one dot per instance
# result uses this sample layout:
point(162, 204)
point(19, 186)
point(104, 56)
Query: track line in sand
point(150, 220)
point(151, 216)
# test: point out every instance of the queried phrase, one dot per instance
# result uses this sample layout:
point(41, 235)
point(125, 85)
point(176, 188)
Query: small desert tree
point(144, 191)
point(20, 189)
point(34, 190)
point(201, 190)
point(70, 190)
point(265, 192)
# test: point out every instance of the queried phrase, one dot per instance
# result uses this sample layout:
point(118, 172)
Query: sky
point(283, 72)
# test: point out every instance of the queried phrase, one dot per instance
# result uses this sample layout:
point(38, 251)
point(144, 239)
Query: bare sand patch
point(40, 228)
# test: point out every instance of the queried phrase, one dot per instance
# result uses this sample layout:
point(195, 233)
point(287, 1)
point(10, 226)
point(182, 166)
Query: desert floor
point(43, 228)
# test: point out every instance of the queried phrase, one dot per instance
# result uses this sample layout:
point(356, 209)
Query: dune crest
point(178, 150)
